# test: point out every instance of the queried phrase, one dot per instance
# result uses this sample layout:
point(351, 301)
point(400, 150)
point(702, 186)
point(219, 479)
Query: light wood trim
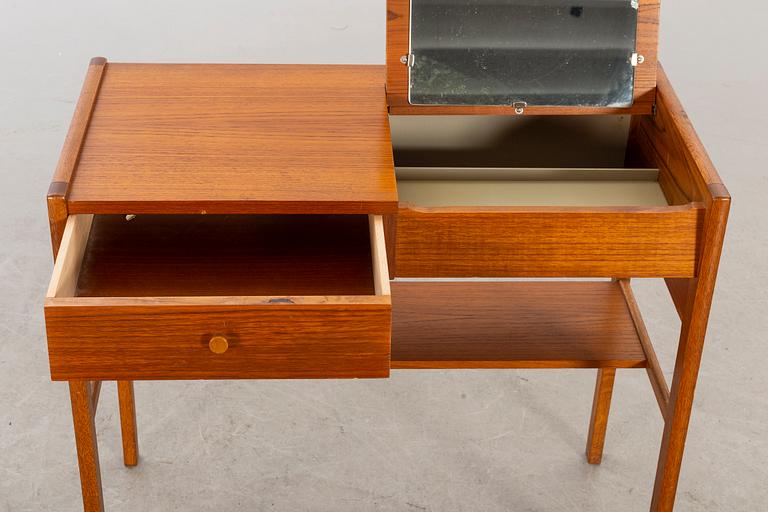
point(67, 268)
point(601, 406)
point(653, 368)
point(379, 255)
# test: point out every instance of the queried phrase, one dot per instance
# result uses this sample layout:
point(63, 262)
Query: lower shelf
point(523, 324)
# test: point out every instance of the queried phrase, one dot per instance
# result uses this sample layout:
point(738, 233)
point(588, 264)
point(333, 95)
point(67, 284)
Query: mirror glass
point(541, 52)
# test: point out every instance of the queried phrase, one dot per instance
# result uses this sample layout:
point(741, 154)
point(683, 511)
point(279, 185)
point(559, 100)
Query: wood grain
point(547, 242)
point(186, 138)
point(236, 255)
point(668, 141)
point(398, 37)
point(57, 192)
point(87, 448)
point(655, 373)
point(141, 342)
point(66, 269)
point(94, 390)
point(601, 406)
point(127, 406)
point(512, 325)
point(690, 348)
point(379, 255)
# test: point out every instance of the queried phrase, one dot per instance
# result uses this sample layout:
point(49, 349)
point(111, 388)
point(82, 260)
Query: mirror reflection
point(541, 52)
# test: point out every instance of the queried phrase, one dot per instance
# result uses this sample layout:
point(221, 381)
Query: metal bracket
point(636, 59)
point(407, 60)
point(635, 4)
point(519, 107)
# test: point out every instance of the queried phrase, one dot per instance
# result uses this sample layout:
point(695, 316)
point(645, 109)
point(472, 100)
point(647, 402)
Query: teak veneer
point(242, 221)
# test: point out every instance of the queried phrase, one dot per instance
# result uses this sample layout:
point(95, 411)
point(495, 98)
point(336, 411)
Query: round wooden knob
point(218, 344)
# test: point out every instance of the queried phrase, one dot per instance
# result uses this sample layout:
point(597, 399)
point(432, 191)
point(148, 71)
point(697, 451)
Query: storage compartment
point(197, 296)
point(486, 196)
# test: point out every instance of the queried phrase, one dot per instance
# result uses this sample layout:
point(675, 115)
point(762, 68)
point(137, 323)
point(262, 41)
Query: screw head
point(404, 59)
point(640, 59)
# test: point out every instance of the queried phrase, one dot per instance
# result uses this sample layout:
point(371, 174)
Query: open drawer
point(495, 197)
point(219, 297)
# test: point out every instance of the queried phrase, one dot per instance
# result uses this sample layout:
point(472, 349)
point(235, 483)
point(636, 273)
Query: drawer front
point(453, 242)
point(103, 339)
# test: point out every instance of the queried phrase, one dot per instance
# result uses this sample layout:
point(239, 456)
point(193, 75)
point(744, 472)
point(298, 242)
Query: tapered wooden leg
point(601, 406)
point(128, 422)
point(681, 399)
point(80, 393)
point(694, 304)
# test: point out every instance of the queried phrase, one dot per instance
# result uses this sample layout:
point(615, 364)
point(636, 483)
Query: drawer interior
point(507, 161)
point(221, 255)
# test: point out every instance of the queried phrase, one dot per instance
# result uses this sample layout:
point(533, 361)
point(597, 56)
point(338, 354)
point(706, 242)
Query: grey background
point(437, 441)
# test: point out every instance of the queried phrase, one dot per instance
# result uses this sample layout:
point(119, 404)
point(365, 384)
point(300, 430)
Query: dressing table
point(291, 221)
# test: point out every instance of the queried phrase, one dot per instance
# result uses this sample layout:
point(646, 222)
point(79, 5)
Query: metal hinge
point(407, 60)
point(636, 59)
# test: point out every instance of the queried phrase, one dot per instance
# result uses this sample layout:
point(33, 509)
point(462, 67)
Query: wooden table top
point(192, 138)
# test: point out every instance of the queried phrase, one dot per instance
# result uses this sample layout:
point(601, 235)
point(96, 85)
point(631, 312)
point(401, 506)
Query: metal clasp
point(519, 107)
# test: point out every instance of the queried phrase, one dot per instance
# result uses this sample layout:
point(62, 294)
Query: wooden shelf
point(524, 324)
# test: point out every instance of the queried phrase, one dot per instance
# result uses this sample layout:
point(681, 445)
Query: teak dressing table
point(263, 221)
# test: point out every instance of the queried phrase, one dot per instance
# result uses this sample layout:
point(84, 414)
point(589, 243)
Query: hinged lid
point(199, 138)
point(521, 56)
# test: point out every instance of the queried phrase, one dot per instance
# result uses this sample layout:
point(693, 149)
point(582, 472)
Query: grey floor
point(421, 441)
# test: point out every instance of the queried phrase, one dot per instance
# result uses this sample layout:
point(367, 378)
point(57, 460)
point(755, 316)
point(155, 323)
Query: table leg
point(681, 397)
point(128, 422)
point(83, 411)
point(598, 423)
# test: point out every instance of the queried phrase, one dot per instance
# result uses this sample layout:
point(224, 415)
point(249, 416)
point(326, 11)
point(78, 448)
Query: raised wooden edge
point(398, 44)
point(655, 374)
point(65, 168)
point(379, 255)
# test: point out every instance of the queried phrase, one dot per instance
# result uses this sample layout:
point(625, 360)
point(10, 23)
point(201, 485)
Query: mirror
point(541, 52)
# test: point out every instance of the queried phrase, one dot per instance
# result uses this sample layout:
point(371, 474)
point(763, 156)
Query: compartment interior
point(519, 161)
point(227, 255)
